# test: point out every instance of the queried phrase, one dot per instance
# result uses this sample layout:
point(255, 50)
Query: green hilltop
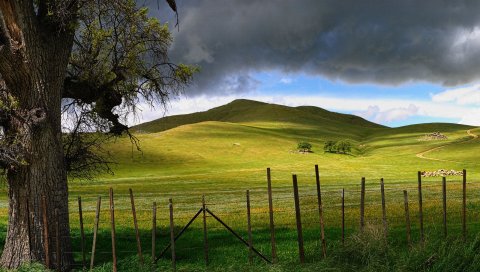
point(253, 112)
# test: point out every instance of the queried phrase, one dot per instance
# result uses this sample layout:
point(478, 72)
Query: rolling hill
point(230, 146)
point(248, 111)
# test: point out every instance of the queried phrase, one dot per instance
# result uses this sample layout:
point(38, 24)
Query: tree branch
point(77, 89)
point(12, 43)
point(105, 98)
point(121, 59)
point(173, 6)
point(4, 39)
point(58, 15)
point(10, 25)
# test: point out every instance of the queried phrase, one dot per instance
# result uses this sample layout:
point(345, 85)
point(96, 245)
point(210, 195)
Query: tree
point(343, 147)
point(93, 60)
point(304, 146)
point(329, 146)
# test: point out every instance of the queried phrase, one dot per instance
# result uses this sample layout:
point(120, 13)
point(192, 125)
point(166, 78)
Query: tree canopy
point(119, 57)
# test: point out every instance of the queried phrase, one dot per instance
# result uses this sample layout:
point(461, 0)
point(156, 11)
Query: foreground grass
point(365, 251)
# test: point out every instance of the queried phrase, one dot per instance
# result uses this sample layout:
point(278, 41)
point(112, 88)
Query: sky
point(390, 62)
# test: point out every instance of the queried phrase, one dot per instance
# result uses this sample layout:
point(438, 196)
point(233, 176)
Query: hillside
point(248, 111)
point(230, 146)
point(220, 159)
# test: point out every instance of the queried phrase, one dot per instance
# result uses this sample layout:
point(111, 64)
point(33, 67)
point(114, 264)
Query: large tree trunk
point(44, 176)
point(33, 65)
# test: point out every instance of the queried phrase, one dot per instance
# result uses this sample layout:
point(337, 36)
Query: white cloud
point(369, 113)
point(374, 113)
point(462, 96)
point(472, 119)
point(286, 80)
point(425, 108)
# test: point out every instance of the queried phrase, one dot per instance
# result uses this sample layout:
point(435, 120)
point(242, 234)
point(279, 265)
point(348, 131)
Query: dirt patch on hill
point(434, 136)
point(442, 173)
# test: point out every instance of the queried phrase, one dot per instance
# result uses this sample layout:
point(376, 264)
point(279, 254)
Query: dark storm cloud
point(386, 42)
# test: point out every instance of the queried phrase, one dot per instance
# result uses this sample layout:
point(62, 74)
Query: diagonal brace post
point(238, 236)
point(179, 234)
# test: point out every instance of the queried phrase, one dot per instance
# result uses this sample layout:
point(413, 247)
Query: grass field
point(225, 151)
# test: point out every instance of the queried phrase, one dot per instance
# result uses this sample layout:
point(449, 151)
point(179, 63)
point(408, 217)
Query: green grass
point(225, 151)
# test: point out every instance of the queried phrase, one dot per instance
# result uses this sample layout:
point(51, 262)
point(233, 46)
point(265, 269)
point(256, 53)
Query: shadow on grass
point(361, 251)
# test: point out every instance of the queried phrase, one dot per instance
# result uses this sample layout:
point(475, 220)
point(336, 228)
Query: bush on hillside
point(304, 147)
point(342, 147)
point(329, 146)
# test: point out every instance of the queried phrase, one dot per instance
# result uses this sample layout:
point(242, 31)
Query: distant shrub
point(329, 146)
point(304, 146)
point(343, 147)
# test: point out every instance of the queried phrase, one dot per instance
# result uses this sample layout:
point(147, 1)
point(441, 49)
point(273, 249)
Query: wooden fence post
point(362, 206)
point(301, 250)
point(172, 235)
point(407, 217)
point(82, 233)
point(154, 233)
point(272, 225)
point(320, 212)
point(205, 231)
point(112, 221)
point(444, 191)
point(464, 206)
point(135, 224)
point(58, 259)
point(182, 231)
point(384, 210)
point(343, 216)
point(420, 207)
point(95, 231)
point(249, 229)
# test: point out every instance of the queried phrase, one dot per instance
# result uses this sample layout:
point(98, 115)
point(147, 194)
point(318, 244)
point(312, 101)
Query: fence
point(329, 214)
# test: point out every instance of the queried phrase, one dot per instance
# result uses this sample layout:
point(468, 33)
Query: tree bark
point(33, 65)
point(44, 176)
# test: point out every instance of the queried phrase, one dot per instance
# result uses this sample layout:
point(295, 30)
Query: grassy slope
point(245, 111)
point(244, 137)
